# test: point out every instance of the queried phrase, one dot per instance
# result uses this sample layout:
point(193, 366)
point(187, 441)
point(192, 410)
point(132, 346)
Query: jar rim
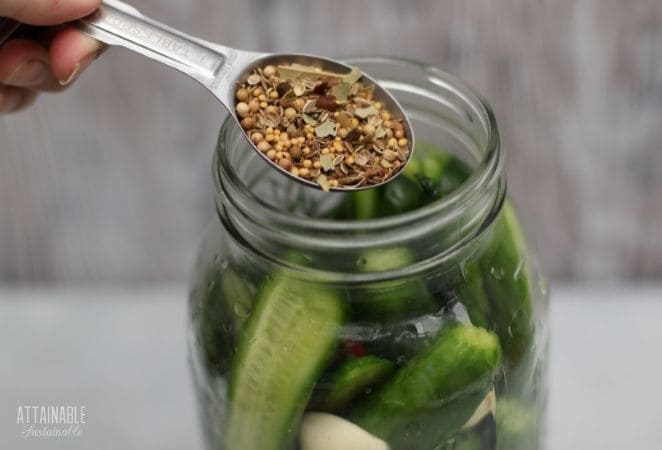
point(487, 170)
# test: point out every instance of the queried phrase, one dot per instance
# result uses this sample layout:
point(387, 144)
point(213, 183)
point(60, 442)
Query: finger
point(14, 99)
point(71, 52)
point(24, 64)
point(47, 12)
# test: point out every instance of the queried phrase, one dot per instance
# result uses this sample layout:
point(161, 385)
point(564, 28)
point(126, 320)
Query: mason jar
point(409, 316)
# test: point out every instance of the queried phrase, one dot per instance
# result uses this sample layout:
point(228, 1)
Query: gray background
point(110, 182)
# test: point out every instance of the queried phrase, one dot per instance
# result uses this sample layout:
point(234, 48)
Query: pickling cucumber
point(506, 282)
point(353, 377)
point(287, 342)
point(470, 292)
point(393, 298)
point(439, 172)
point(401, 195)
point(397, 340)
point(224, 307)
point(365, 204)
point(434, 394)
point(517, 425)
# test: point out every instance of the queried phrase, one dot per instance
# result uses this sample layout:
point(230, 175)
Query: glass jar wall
point(411, 316)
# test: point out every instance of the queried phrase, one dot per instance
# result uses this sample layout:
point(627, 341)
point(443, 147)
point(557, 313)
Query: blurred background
point(111, 182)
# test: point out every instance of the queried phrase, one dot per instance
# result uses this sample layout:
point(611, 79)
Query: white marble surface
point(122, 354)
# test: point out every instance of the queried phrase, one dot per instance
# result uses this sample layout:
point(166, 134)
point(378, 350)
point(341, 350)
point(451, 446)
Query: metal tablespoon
point(216, 67)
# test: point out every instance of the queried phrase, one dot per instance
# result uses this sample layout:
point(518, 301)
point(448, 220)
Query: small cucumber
point(506, 282)
point(516, 425)
point(353, 377)
point(224, 307)
point(287, 341)
point(470, 292)
point(401, 195)
point(434, 394)
point(456, 172)
point(397, 340)
point(439, 172)
point(467, 441)
point(365, 204)
point(390, 299)
point(237, 297)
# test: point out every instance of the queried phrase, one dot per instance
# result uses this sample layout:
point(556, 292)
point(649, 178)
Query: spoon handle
point(116, 23)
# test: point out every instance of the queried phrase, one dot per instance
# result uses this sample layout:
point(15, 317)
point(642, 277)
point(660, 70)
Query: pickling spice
point(322, 126)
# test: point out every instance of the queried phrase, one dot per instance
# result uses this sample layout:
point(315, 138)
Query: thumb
point(47, 12)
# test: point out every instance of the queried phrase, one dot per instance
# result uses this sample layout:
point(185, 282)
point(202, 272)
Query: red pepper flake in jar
point(331, 128)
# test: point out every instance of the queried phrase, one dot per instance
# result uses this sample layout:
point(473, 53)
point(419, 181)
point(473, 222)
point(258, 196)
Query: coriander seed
point(242, 109)
point(269, 71)
point(242, 94)
point(290, 113)
point(263, 146)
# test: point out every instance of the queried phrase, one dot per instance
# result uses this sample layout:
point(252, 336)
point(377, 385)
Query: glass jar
point(411, 316)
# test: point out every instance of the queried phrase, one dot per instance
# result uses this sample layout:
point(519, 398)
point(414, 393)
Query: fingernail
point(30, 73)
point(10, 100)
point(78, 68)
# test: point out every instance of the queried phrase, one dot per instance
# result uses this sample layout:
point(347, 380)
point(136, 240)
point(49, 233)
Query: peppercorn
point(285, 163)
point(295, 151)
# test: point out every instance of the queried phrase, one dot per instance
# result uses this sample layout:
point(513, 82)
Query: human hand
point(28, 66)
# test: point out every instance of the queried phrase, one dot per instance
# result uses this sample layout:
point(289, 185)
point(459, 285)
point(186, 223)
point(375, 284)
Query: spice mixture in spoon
point(321, 126)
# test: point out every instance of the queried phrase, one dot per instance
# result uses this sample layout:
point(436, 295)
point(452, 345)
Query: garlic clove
point(321, 431)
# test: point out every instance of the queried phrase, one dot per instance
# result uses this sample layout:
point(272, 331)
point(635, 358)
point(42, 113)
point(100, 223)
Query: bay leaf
point(364, 113)
point(310, 120)
point(323, 182)
point(341, 91)
point(327, 162)
point(327, 128)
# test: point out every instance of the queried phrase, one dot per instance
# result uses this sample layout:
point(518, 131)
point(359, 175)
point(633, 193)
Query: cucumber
point(470, 292)
point(439, 172)
point(433, 395)
point(468, 441)
point(516, 425)
point(287, 342)
point(456, 172)
point(225, 305)
point(365, 204)
point(394, 298)
point(353, 377)
point(237, 298)
point(397, 341)
point(506, 282)
point(401, 195)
